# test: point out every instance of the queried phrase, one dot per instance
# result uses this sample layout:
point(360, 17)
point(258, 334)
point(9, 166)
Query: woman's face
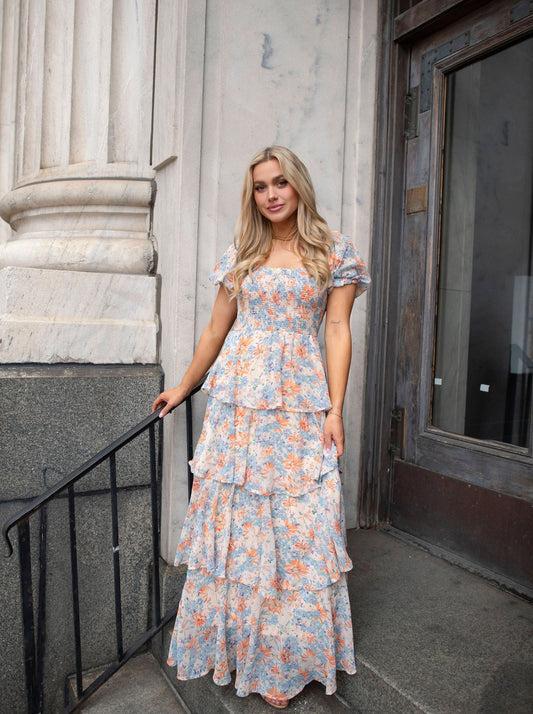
point(274, 196)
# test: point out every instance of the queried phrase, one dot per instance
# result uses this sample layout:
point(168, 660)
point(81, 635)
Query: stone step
point(139, 686)
point(443, 639)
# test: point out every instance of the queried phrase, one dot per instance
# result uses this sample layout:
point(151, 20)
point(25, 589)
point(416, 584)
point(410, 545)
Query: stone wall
point(54, 417)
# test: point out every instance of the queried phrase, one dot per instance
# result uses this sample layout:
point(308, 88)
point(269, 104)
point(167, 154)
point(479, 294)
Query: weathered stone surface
point(54, 418)
point(112, 320)
point(139, 686)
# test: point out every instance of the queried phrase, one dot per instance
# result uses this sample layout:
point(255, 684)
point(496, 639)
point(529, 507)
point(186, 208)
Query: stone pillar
point(77, 276)
point(77, 284)
point(9, 17)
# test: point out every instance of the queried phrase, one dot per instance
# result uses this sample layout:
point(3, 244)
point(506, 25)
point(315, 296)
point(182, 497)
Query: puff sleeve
point(347, 266)
point(222, 274)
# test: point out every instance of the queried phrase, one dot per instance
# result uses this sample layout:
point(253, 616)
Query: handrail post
point(32, 689)
point(75, 589)
point(154, 490)
point(41, 604)
point(116, 553)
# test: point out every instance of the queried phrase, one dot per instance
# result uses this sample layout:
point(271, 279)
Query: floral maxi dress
point(264, 535)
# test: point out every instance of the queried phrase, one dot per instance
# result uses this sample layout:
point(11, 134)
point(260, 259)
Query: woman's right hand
point(169, 399)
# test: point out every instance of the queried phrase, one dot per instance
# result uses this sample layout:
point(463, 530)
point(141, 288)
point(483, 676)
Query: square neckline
point(275, 267)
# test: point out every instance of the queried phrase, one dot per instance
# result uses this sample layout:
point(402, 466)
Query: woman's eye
point(259, 188)
point(282, 183)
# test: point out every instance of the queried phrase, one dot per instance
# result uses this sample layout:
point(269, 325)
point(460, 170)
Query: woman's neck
point(286, 231)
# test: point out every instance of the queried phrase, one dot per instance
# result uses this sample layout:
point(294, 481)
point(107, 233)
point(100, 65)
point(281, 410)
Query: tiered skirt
point(264, 539)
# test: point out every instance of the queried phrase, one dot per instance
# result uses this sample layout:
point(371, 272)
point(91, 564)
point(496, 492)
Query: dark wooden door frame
point(396, 34)
point(388, 215)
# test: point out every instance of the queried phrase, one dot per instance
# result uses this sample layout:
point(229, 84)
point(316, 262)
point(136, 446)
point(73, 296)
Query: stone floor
point(139, 686)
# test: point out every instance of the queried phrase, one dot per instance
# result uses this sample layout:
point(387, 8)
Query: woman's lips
point(277, 207)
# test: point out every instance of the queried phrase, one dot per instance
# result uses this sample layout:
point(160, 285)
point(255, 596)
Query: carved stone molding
point(97, 224)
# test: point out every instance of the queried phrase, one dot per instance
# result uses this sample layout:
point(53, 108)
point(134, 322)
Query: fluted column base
point(97, 223)
point(77, 284)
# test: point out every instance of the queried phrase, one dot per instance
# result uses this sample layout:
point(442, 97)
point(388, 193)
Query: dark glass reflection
point(484, 339)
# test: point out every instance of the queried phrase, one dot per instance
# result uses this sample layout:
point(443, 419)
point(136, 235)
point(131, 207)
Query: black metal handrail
point(34, 636)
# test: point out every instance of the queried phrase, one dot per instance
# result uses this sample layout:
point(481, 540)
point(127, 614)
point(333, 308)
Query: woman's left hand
point(334, 433)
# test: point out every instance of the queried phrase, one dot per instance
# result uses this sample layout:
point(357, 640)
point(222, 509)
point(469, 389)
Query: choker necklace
point(288, 237)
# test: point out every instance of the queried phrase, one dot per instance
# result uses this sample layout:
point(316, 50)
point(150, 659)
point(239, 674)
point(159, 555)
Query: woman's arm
point(338, 339)
point(210, 344)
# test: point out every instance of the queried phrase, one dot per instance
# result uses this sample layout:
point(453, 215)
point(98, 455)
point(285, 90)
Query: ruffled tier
point(276, 646)
point(264, 540)
point(267, 451)
point(270, 369)
point(269, 543)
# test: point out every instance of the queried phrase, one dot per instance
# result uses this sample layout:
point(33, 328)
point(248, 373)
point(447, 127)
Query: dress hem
point(224, 683)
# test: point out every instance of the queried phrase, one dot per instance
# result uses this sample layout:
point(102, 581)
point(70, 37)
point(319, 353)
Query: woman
point(264, 535)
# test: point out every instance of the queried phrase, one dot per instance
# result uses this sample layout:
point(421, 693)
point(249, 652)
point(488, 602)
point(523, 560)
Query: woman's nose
point(271, 193)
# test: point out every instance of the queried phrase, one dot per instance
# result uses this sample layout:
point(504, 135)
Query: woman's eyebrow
point(276, 178)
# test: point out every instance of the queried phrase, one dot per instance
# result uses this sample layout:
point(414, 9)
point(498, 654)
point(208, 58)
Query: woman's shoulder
point(346, 264)
point(226, 263)
point(338, 237)
point(340, 244)
point(339, 241)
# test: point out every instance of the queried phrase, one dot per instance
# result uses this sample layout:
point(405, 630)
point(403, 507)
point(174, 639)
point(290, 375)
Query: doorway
point(452, 444)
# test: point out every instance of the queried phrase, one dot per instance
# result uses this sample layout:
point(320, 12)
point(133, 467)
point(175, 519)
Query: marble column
point(77, 275)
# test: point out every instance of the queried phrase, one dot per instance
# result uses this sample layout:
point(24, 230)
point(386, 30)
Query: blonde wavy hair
point(253, 235)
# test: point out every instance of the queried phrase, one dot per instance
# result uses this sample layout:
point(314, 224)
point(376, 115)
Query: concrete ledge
point(439, 636)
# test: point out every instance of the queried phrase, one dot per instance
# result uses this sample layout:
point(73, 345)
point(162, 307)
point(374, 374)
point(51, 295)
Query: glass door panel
point(483, 366)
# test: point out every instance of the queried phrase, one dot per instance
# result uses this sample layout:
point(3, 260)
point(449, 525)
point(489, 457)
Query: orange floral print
point(263, 538)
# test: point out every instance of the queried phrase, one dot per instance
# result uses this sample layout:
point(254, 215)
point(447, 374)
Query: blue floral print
point(264, 536)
